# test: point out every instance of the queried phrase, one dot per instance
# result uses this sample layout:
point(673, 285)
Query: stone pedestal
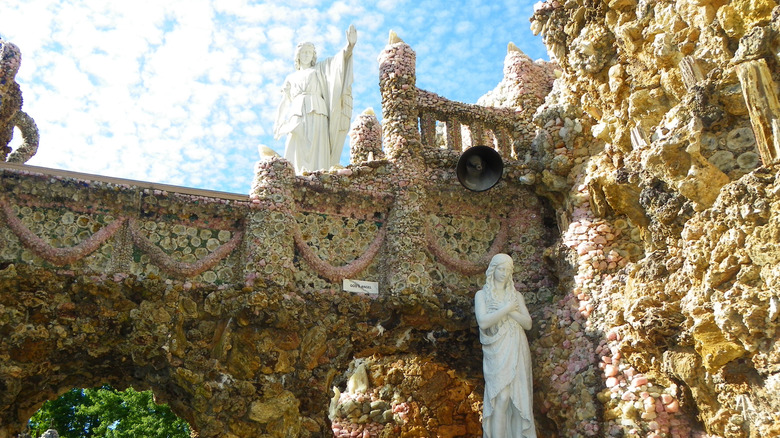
point(406, 226)
point(269, 248)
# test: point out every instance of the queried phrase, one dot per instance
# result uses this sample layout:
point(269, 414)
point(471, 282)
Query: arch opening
point(108, 412)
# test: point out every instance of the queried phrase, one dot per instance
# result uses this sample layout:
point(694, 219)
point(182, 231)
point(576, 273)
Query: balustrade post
point(453, 140)
point(428, 129)
point(477, 134)
point(405, 256)
point(503, 142)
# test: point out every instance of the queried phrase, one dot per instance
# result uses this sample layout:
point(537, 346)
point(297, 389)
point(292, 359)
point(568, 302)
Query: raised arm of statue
point(351, 38)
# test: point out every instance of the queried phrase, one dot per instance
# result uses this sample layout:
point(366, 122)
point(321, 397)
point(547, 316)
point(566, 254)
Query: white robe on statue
point(315, 113)
point(507, 362)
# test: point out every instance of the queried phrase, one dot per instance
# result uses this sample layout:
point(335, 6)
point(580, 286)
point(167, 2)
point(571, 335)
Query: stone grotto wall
point(660, 159)
point(640, 202)
point(231, 310)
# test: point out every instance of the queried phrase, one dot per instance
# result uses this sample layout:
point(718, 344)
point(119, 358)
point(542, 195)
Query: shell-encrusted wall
point(214, 242)
point(111, 229)
point(184, 245)
point(59, 228)
point(339, 240)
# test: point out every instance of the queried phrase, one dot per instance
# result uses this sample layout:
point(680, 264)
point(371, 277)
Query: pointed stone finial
point(511, 47)
point(394, 38)
point(365, 138)
point(266, 153)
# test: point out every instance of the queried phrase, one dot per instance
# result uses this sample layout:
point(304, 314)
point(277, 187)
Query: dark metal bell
point(479, 168)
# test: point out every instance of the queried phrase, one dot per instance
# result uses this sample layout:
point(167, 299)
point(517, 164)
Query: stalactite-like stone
point(639, 138)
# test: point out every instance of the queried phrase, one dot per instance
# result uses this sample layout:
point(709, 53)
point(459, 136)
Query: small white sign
point(365, 287)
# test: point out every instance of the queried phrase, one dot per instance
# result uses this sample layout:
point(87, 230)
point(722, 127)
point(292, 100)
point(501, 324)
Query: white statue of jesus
point(503, 319)
point(316, 107)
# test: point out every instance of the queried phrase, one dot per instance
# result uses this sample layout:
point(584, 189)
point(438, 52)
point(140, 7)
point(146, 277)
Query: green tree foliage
point(106, 412)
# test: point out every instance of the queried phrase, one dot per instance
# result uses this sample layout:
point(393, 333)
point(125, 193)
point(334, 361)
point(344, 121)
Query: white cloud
point(339, 10)
point(182, 91)
point(464, 27)
point(281, 41)
point(387, 6)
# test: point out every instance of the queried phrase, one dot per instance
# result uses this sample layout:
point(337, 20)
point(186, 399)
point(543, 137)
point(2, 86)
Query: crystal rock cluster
point(656, 156)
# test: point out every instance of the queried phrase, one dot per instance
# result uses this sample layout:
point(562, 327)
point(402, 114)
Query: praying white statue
point(316, 107)
point(503, 319)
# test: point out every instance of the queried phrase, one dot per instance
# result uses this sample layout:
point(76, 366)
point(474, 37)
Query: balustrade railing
point(488, 126)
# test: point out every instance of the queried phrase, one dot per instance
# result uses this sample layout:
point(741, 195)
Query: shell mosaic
point(733, 151)
point(58, 228)
point(186, 245)
point(337, 240)
point(55, 222)
point(269, 247)
point(465, 239)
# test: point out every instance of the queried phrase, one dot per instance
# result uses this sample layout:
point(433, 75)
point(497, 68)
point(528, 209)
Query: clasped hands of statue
point(513, 308)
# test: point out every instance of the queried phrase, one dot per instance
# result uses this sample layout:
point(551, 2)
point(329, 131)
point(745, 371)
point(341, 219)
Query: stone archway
point(102, 410)
point(60, 334)
point(231, 362)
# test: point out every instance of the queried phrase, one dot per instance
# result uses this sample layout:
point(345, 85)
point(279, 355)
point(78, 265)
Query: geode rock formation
point(648, 134)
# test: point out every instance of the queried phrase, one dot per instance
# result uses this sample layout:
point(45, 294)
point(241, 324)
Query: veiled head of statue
point(498, 260)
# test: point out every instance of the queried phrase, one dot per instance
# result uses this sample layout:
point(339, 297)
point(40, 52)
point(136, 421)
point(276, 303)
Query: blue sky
point(183, 91)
